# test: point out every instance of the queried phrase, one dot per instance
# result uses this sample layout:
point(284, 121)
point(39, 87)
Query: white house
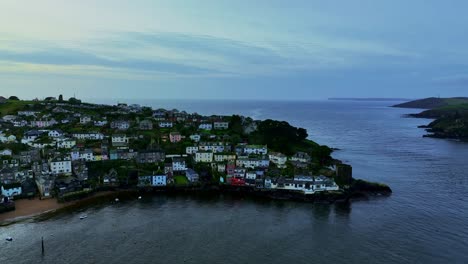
point(11, 191)
point(204, 157)
point(251, 175)
point(20, 123)
point(179, 164)
point(55, 133)
point(120, 140)
point(30, 136)
point(43, 123)
point(59, 166)
point(212, 147)
point(159, 180)
point(4, 138)
point(100, 123)
point(87, 155)
point(191, 150)
point(66, 144)
point(27, 113)
point(85, 120)
point(6, 152)
point(195, 137)
point(205, 126)
point(309, 184)
point(120, 125)
point(221, 125)
point(279, 159)
point(222, 157)
point(301, 157)
point(252, 163)
point(192, 175)
point(89, 136)
point(9, 118)
point(166, 124)
point(255, 149)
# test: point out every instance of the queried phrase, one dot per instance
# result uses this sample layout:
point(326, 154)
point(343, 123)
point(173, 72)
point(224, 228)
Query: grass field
point(12, 107)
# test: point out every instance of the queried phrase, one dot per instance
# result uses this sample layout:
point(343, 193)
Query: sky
point(242, 49)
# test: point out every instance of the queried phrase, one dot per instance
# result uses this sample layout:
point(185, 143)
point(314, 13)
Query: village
point(65, 149)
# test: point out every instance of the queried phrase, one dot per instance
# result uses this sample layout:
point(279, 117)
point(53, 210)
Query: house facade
point(255, 149)
point(120, 125)
point(179, 164)
point(205, 126)
point(60, 166)
point(221, 125)
point(204, 157)
point(175, 137)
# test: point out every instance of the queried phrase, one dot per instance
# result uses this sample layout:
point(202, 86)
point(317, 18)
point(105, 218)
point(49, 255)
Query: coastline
point(27, 209)
point(46, 209)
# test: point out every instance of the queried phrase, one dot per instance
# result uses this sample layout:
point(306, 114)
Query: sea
point(425, 220)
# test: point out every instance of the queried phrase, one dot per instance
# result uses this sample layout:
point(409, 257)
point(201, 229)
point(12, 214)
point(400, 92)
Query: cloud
point(189, 55)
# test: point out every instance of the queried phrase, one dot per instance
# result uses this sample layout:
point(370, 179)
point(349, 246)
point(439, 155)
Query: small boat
point(9, 239)
point(83, 217)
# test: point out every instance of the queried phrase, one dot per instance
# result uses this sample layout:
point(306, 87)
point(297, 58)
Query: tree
point(235, 125)
point(73, 100)
point(14, 98)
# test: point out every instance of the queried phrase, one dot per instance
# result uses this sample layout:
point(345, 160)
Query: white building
point(279, 159)
point(120, 125)
point(309, 184)
point(120, 139)
point(100, 123)
point(11, 191)
point(59, 166)
point(55, 133)
point(212, 147)
point(222, 157)
point(204, 157)
point(4, 138)
point(6, 152)
point(66, 144)
point(255, 149)
point(166, 124)
point(205, 126)
point(252, 163)
point(27, 113)
point(87, 155)
point(159, 180)
point(43, 123)
point(221, 125)
point(85, 120)
point(191, 150)
point(195, 137)
point(179, 164)
point(89, 136)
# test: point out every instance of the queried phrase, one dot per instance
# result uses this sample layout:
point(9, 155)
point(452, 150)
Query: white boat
point(9, 239)
point(117, 200)
point(83, 217)
point(139, 197)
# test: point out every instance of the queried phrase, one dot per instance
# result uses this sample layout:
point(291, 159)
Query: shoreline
point(28, 209)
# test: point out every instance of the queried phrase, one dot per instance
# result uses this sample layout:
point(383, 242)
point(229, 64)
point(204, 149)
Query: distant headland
point(450, 114)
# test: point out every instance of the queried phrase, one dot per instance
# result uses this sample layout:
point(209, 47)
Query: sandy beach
point(28, 208)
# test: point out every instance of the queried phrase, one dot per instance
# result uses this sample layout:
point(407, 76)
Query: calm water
point(425, 221)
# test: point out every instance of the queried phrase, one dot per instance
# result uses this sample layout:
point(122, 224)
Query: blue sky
point(266, 49)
